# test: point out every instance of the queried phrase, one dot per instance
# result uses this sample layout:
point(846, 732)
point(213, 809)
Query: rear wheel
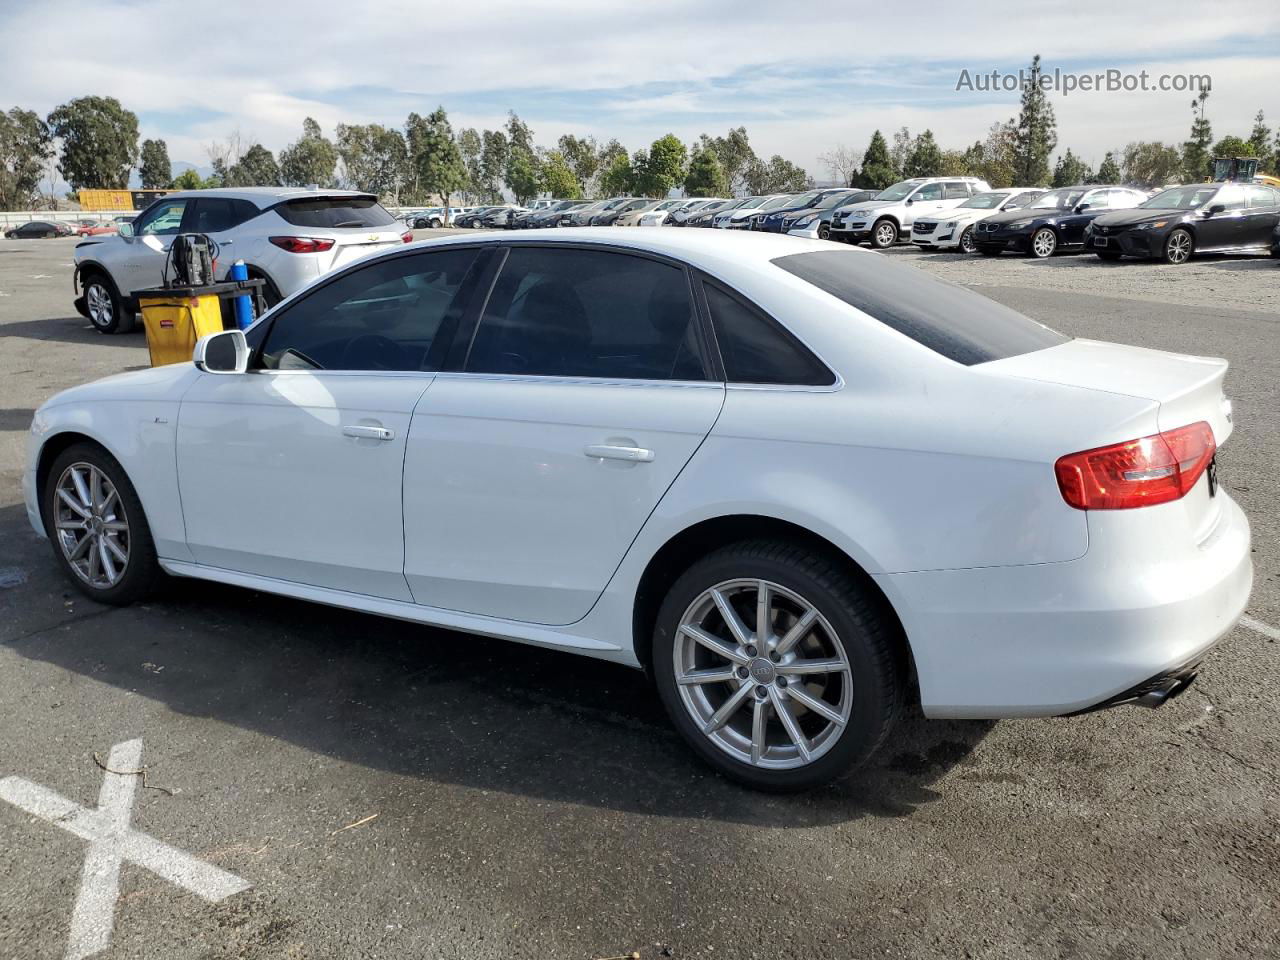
point(776, 666)
point(1179, 247)
point(97, 528)
point(104, 306)
point(884, 234)
point(1043, 243)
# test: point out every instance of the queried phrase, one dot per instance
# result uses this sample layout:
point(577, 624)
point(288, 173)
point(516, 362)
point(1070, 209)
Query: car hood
point(168, 382)
point(870, 205)
point(1127, 218)
point(1013, 216)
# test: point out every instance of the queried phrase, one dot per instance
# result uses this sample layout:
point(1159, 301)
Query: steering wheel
point(373, 352)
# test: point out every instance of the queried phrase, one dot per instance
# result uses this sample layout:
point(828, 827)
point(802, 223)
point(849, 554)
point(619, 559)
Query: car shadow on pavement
point(70, 330)
point(429, 703)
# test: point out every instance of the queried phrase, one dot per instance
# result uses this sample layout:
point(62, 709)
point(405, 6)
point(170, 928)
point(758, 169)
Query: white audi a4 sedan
point(799, 484)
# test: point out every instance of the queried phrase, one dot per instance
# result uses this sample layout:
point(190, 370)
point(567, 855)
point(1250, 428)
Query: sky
point(801, 76)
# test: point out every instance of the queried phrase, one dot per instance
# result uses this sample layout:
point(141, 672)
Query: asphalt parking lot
point(381, 789)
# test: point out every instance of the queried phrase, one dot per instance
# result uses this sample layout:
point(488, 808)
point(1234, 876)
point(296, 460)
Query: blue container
point(244, 303)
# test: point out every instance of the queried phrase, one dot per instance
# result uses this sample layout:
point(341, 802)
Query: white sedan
point(953, 230)
point(800, 484)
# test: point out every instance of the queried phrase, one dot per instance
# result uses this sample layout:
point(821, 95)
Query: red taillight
point(407, 236)
point(303, 244)
point(1137, 473)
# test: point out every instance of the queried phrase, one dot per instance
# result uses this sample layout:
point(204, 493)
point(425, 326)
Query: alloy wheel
point(763, 674)
point(1044, 242)
point(886, 234)
point(90, 525)
point(966, 241)
point(97, 299)
point(1178, 247)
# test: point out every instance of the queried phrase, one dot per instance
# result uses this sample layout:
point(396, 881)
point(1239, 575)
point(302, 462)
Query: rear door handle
point(363, 432)
point(606, 451)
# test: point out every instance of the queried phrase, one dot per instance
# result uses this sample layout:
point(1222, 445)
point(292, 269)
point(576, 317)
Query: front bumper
point(940, 237)
point(1059, 638)
point(811, 232)
point(1130, 243)
point(1017, 241)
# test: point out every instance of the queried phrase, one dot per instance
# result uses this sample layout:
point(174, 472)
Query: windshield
point(986, 201)
point(777, 202)
point(1057, 200)
point(803, 199)
point(835, 200)
point(750, 203)
point(668, 205)
point(898, 191)
point(1182, 198)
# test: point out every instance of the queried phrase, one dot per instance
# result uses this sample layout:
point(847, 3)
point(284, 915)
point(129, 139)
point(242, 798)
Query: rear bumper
point(1060, 638)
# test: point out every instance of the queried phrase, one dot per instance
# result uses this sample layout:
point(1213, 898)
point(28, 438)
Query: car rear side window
point(570, 312)
point(397, 313)
point(335, 212)
point(948, 319)
point(755, 349)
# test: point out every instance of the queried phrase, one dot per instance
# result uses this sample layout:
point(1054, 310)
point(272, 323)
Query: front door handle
point(607, 451)
point(363, 432)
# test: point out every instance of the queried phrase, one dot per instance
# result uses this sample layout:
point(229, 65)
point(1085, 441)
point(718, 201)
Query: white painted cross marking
point(111, 842)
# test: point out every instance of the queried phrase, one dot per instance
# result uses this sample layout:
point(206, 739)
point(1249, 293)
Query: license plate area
point(1101, 241)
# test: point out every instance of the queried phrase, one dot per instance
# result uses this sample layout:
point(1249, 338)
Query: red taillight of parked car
point(303, 244)
point(407, 236)
point(1137, 473)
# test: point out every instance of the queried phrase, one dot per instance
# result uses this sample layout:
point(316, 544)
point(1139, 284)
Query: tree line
point(92, 142)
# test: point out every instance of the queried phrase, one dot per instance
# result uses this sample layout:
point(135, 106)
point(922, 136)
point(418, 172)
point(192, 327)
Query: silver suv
point(887, 218)
point(286, 236)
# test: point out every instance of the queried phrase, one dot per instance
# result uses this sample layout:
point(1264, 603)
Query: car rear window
point(335, 212)
point(948, 319)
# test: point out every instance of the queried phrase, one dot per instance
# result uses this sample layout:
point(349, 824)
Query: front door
point(294, 469)
point(531, 470)
point(145, 254)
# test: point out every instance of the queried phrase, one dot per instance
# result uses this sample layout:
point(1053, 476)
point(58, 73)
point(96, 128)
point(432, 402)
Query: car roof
point(264, 196)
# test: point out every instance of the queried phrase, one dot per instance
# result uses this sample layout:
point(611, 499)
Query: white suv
point(286, 236)
point(889, 217)
point(954, 229)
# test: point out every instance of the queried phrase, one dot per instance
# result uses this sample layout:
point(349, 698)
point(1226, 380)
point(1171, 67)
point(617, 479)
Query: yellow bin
point(175, 322)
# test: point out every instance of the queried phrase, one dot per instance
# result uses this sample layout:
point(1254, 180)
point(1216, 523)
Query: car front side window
point(571, 312)
point(394, 314)
point(162, 220)
point(930, 191)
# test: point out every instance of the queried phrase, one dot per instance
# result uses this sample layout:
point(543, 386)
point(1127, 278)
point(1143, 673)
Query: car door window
point(570, 312)
point(755, 349)
point(955, 191)
point(1097, 200)
point(1259, 196)
point(1231, 198)
point(216, 214)
point(394, 314)
point(162, 220)
point(930, 191)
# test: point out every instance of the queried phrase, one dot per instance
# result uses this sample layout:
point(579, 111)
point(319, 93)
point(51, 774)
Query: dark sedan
point(606, 218)
point(473, 218)
point(1182, 221)
point(38, 230)
point(703, 217)
point(549, 216)
point(815, 221)
point(772, 221)
point(1054, 222)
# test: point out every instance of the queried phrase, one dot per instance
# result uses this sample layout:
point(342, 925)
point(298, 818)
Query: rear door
point(217, 218)
point(1262, 215)
point(577, 402)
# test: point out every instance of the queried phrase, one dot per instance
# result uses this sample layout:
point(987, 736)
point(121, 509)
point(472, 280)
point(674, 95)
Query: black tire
point(435, 223)
point(1108, 254)
point(116, 315)
point(1043, 244)
point(1178, 247)
point(966, 243)
point(884, 233)
point(141, 572)
point(824, 231)
point(870, 637)
point(420, 224)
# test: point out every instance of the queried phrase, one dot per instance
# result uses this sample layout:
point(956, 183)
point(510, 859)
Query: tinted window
point(755, 349)
point(955, 191)
point(946, 318)
point(930, 191)
point(161, 220)
point(335, 212)
point(385, 316)
point(590, 313)
point(215, 214)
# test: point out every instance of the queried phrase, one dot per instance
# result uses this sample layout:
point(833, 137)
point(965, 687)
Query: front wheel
point(97, 528)
point(1043, 243)
point(884, 234)
point(105, 307)
point(966, 241)
point(824, 232)
point(1179, 246)
point(778, 668)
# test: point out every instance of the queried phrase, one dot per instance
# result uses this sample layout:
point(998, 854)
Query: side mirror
point(125, 230)
point(225, 352)
point(1216, 208)
point(910, 201)
point(1082, 207)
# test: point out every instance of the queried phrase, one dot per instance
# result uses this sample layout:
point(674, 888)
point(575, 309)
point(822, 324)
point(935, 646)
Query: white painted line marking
point(12, 576)
point(1257, 626)
point(40, 276)
point(111, 842)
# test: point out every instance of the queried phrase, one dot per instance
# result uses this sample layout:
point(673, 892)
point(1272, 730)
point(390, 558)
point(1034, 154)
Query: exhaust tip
point(1165, 690)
